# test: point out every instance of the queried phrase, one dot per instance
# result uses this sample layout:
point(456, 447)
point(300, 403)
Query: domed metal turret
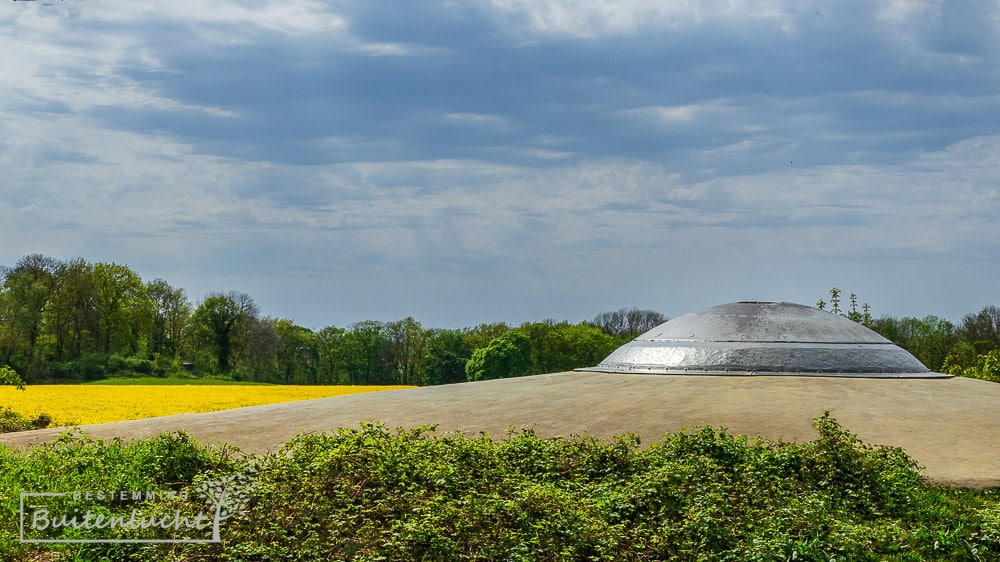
point(764, 338)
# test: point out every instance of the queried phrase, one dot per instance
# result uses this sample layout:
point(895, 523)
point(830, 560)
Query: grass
point(372, 494)
point(86, 404)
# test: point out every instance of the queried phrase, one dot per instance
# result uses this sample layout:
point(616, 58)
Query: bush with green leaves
point(129, 365)
point(76, 462)
point(373, 494)
point(11, 420)
point(509, 355)
point(9, 376)
point(963, 361)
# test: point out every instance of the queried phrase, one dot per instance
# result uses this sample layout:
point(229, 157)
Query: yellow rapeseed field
point(83, 404)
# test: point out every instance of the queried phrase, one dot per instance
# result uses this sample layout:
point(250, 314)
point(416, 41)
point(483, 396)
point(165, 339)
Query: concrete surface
point(950, 426)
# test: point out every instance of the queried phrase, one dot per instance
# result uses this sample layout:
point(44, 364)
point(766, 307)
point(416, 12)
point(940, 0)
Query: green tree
point(297, 353)
point(171, 316)
point(447, 353)
point(563, 346)
point(862, 315)
point(257, 357)
point(507, 356)
point(566, 347)
point(929, 339)
point(72, 319)
point(125, 310)
point(9, 376)
point(981, 329)
point(406, 350)
point(963, 361)
point(9, 340)
point(222, 321)
point(24, 293)
point(483, 334)
point(364, 354)
point(330, 355)
point(989, 365)
point(961, 357)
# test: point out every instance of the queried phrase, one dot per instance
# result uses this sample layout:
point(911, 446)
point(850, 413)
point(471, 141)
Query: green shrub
point(9, 376)
point(963, 361)
point(164, 366)
point(91, 366)
point(116, 364)
point(372, 494)
point(76, 462)
point(13, 421)
point(129, 365)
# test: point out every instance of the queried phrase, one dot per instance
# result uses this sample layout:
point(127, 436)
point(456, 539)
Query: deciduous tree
point(406, 349)
point(24, 293)
point(447, 353)
point(627, 323)
point(125, 311)
point(507, 356)
point(171, 315)
point(72, 318)
point(221, 320)
point(297, 353)
point(929, 338)
point(330, 355)
point(364, 354)
point(981, 329)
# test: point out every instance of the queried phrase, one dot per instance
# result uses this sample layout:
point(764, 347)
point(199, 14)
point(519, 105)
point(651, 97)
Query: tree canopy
point(77, 320)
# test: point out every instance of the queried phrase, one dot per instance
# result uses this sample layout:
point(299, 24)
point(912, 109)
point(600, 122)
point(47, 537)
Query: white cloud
point(477, 118)
point(685, 113)
point(286, 16)
point(595, 18)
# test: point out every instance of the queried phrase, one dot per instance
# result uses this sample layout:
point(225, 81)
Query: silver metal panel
point(764, 338)
point(763, 322)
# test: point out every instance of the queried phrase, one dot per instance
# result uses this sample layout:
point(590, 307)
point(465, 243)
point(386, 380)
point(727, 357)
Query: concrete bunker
point(764, 338)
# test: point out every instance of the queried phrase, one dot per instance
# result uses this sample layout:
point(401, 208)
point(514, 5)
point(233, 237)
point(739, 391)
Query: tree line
point(72, 320)
point(63, 321)
point(971, 348)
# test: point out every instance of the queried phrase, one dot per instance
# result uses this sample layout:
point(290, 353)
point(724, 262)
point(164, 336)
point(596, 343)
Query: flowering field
point(83, 404)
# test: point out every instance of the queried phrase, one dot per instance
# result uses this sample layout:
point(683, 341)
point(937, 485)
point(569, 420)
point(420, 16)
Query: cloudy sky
point(515, 160)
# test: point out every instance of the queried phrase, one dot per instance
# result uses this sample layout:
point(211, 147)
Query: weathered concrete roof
point(949, 426)
point(764, 338)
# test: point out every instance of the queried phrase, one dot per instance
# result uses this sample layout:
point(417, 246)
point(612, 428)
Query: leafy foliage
point(74, 462)
point(982, 329)
point(74, 320)
point(507, 356)
point(963, 361)
point(862, 315)
point(371, 494)
point(447, 353)
point(11, 421)
point(563, 347)
point(929, 339)
point(965, 350)
point(14, 421)
point(9, 376)
point(221, 320)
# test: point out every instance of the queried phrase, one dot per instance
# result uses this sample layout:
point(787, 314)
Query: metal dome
point(764, 338)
